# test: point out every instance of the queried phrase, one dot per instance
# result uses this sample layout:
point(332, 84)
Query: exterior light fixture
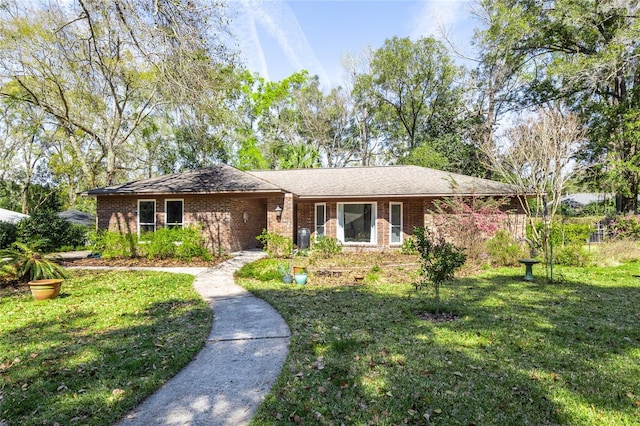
point(278, 210)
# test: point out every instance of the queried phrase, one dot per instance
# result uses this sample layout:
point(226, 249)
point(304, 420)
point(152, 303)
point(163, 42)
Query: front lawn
point(518, 353)
point(97, 350)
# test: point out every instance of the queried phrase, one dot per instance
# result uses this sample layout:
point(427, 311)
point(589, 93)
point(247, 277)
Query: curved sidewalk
point(228, 379)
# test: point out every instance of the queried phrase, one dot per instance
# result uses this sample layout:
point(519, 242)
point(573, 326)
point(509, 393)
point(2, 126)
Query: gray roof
point(388, 181)
point(351, 182)
point(11, 217)
point(78, 217)
point(584, 198)
point(217, 179)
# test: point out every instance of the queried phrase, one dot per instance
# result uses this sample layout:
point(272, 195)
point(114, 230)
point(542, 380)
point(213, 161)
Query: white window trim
point(155, 222)
point(315, 218)
point(166, 223)
point(374, 223)
point(391, 204)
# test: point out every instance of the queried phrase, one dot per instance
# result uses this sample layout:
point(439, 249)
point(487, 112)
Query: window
point(357, 223)
point(174, 213)
point(321, 215)
point(395, 223)
point(146, 216)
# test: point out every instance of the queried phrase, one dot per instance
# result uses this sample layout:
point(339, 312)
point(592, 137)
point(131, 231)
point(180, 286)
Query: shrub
point(160, 244)
point(262, 270)
point(409, 246)
point(327, 246)
point(192, 244)
point(46, 225)
point(276, 245)
point(7, 234)
point(503, 250)
point(438, 260)
point(114, 244)
point(625, 227)
point(571, 255)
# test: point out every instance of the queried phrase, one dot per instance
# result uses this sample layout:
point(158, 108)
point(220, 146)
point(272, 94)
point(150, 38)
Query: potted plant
point(43, 273)
point(300, 277)
point(284, 269)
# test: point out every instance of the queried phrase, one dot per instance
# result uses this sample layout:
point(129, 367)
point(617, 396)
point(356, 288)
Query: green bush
point(409, 246)
point(181, 243)
point(7, 234)
point(571, 255)
point(160, 244)
point(276, 245)
point(114, 244)
point(46, 225)
point(503, 250)
point(327, 246)
point(192, 244)
point(262, 270)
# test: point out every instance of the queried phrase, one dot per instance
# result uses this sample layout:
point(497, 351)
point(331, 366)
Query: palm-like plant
point(27, 263)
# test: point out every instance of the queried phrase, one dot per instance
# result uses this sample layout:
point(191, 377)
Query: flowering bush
point(625, 227)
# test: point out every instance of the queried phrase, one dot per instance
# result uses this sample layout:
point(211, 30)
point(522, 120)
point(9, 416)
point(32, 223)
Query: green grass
point(90, 355)
point(519, 353)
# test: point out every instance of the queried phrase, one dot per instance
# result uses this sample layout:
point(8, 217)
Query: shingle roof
point(217, 179)
point(352, 182)
point(358, 182)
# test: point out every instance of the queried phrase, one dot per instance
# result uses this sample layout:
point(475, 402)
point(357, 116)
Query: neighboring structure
point(365, 207)
point(77, 217)
point(11, 216)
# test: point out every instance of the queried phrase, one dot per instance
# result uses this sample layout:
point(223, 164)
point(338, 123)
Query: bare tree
point(537, 157)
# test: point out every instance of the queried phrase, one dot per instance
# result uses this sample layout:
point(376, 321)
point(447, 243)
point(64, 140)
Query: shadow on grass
point(520, 353)
point(67, 369)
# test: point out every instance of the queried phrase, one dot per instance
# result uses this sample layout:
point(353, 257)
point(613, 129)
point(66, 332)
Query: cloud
point(276, 19)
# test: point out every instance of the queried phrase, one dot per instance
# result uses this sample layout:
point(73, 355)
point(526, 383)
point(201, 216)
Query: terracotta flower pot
point(45, 289)
point(299, 270)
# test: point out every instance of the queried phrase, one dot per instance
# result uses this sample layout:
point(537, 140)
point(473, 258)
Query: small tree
point(438, 260)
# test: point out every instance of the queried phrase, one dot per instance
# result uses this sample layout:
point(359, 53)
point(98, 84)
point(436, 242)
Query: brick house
point(363, 207)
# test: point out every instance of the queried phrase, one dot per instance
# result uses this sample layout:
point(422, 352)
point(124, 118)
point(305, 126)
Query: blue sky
point(277, 37)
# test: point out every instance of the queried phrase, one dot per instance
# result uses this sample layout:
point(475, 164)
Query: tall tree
point(584, 52)
point(414, 87)
point(101, 67)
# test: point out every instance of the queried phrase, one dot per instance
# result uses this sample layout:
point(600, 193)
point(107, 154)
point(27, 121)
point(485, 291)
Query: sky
point(277, 38)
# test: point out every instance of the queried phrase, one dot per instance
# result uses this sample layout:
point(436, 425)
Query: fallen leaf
point(321, 389)
point(118, 392)
point(279, 416)
point(437, 411)
point(33, 355)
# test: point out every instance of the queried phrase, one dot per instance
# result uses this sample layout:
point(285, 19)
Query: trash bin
point(304, 235)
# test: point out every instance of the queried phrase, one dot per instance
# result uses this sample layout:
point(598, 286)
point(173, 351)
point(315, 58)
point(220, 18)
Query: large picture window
point(321, 219)
point(395, 223)
point(146, 216)
point(174, 213)
point(357, 223)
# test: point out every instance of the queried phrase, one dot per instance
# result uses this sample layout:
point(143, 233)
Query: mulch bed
point(144, 262)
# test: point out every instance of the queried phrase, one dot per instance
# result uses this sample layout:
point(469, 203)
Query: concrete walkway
point(228, 379)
